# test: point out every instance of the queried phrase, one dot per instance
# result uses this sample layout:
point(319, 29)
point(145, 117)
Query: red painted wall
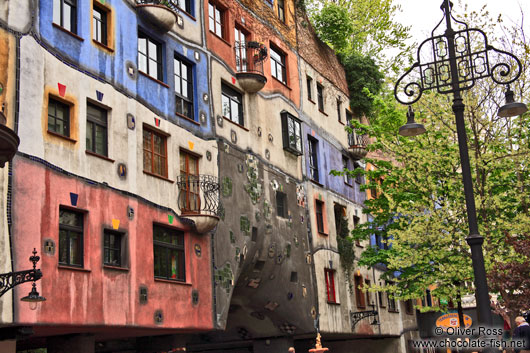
point(224, 48)
point(98, 295)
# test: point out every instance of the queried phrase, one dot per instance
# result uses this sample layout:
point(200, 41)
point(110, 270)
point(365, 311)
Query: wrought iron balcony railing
point(357, 144)
point(250, 57)
point(173, 5)
point(198, 195)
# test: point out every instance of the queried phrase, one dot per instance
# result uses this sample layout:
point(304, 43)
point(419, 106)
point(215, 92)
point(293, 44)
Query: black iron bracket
point(359, 315)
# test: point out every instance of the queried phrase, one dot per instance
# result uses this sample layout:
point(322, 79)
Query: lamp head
point(511, 108)
point(33, 298)
point(411, 128)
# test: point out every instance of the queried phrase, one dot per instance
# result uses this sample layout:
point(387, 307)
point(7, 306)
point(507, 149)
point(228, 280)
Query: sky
point(424, 15)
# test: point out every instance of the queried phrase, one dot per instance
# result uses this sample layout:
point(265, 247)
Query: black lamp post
point(454, 66)
point(12, 279)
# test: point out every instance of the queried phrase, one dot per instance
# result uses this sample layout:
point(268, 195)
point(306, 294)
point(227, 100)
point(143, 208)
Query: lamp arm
point(12, 279)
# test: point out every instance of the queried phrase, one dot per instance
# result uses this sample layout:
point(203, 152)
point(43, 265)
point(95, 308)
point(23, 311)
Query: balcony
point(357, 144)
point(161, 13)
point(9, 141)
point(198, 200)
point(249, 64)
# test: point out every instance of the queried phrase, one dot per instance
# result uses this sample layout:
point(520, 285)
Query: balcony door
point(189, 200)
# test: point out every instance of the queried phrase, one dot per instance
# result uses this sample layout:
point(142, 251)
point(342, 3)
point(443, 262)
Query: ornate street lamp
point(12, 279)
point(454, 65)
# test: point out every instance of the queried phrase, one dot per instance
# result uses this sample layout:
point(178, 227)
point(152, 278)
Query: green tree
point(421, 207)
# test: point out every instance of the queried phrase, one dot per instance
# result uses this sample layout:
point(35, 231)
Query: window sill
point(62, 136)
point(359, 246)
point(172, 281)
point(117, 268)
point(323, 234)
point(187, 119)
point(282, 83)
point(67, 32)
point(236, 124)
point(90, 153)
point(73, 268)
point(393, 311)
point(342, 123)
point(316, 182)
point(159, 176)
point(99, 44)
point(323, 112)
point(221, 39)
point(348, 184)
point(153, 79)
point(333, 303)
point(187, 14)
point(312, 101)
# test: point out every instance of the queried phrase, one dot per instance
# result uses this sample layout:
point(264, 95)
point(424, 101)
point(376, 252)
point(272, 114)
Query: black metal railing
point(171, 4)
point(357, 140)
point(250, 57)
point(198, 194)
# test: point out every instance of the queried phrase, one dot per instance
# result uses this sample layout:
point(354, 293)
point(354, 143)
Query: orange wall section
point(95, 295)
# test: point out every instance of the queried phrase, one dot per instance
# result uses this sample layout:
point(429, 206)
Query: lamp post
point(455, 65)
point(12, 279)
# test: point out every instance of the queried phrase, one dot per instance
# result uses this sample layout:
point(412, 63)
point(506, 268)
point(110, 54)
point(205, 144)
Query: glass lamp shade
point(33, 298)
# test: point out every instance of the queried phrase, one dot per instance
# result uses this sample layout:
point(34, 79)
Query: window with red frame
point(330, 285)
point(241, 37)
point(216, 19)
point(189, 170)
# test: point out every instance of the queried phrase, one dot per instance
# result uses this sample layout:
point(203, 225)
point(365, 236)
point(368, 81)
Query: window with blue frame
point(65, 14)
point(150, 57)
point(183, 74)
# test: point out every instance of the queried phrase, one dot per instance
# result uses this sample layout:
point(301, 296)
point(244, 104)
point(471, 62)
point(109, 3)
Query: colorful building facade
point(173, 174)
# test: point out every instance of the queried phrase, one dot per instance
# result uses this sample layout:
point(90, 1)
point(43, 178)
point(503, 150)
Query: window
point(292, 133)
point(320, 97)
point(359, 295)
point(409, 307)
point(184, 5)
point(240, 47)
point(189, 200)
point(65, 14)
point(216, 19)
point(358, 175)
point(278, 65)
point(96, 129)
point(313, 158)
point(168, 249)
point(345, 165)
point(309, 84)
point(183, 88)
point(368, 294)
point(330, 285)
point(281, 204)
point(339, 110)
point(70, 237)
point(99, 24)
point(391, 302)
point(155, 152)
point(112, 245)
point(341, 223)
point(380, 297)
point(58, 117)
point(281, 10)
point(232, 102)
point(319, 213)
point(150, 57)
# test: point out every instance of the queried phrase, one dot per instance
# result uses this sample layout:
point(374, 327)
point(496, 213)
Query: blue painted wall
point(330, 158)
point(112, 66)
